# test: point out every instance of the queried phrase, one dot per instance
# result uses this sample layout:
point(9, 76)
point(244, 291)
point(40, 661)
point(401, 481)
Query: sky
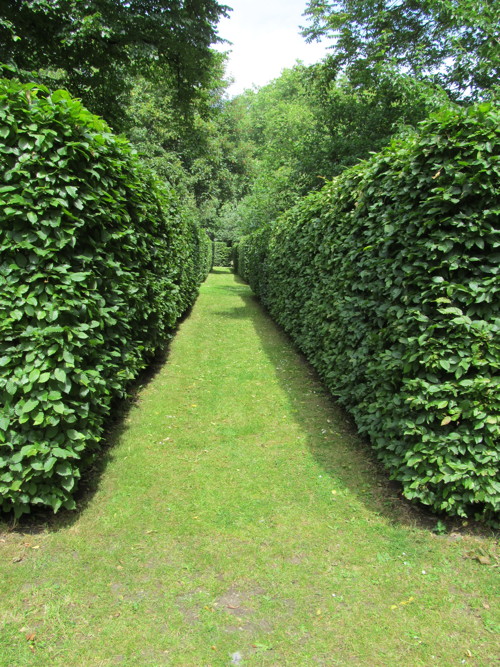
point(265, 36)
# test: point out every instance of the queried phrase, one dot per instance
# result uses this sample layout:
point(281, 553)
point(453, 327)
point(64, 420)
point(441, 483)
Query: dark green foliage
point(205, 255)
point(92, 47)
point(223, 254)
point(97, 263)
point(387, 279)
point(307, 127)
point(250, 256)
point(453, 42)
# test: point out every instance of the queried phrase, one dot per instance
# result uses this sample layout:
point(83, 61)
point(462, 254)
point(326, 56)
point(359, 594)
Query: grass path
point(238, 520)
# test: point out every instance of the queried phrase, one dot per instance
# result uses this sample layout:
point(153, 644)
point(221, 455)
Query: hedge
point(97, 263)
point(250, 253)
point(205, 254)
point(387, 280)
point(223, 254)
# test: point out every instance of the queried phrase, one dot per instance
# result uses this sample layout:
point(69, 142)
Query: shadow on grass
point(230, 290)
point(356, 467)
point(221, 269)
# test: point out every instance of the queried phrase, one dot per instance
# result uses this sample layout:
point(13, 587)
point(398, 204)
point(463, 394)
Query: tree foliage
point(92, 47)
point(200, 154)
point(454, 42)
point(306, 127)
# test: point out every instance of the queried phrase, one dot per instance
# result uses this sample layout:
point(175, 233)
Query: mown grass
point(238, 519)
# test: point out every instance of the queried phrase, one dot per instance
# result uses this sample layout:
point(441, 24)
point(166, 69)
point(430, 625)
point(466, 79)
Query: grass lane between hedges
point(239, 520)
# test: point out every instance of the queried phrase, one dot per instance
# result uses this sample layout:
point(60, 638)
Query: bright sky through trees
point(265, 36)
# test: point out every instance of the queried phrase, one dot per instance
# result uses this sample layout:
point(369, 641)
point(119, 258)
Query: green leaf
point(64, 469)
point(68, 357)
point(60, 374)
point(11, 387)
point(78, 277)
point(39, 418)
point(54, 395)
point(49, 463)
point(68, 483)
point(60, 453)
point(30, 405)
point(34, 375)
point(75, 435)
point(25, 143)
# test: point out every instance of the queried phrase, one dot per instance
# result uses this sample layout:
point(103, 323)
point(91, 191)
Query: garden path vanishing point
point(237, 519)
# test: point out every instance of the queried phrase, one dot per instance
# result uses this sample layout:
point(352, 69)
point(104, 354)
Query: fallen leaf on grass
point(403, 603)
point(484, 560)
point(31, 637)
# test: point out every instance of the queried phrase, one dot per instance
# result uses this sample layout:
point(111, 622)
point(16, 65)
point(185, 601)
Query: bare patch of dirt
point(252, 627)
point(184, 603)
point(297, 559)
point(238, 603)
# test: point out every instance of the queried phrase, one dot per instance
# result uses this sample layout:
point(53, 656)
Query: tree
point(355, 117)
point(456, 43)
point(308, 125)
point(201, 154)
point(93, 46)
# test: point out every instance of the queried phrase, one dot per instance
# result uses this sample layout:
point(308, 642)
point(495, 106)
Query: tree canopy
point(307, 126)
point(92, 47)
point(147, 67)
point(454, 42)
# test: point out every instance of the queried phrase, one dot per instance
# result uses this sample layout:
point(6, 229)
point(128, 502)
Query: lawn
point(237, 518)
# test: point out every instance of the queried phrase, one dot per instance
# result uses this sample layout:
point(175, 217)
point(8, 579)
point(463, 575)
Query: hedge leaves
point(97, 263)
point(387, 279)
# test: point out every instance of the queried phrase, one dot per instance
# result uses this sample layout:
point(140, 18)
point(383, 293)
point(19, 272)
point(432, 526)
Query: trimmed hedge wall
point(223, 254)
point(97, 263)
point(251, 252)
point(387, 280)
point(205, 255)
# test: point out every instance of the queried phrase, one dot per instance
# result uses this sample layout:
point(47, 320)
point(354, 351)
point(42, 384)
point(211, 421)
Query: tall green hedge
point(223, 254)
point(387, 279)
point(97, 263)
point(206, 253)
point(250, 253)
